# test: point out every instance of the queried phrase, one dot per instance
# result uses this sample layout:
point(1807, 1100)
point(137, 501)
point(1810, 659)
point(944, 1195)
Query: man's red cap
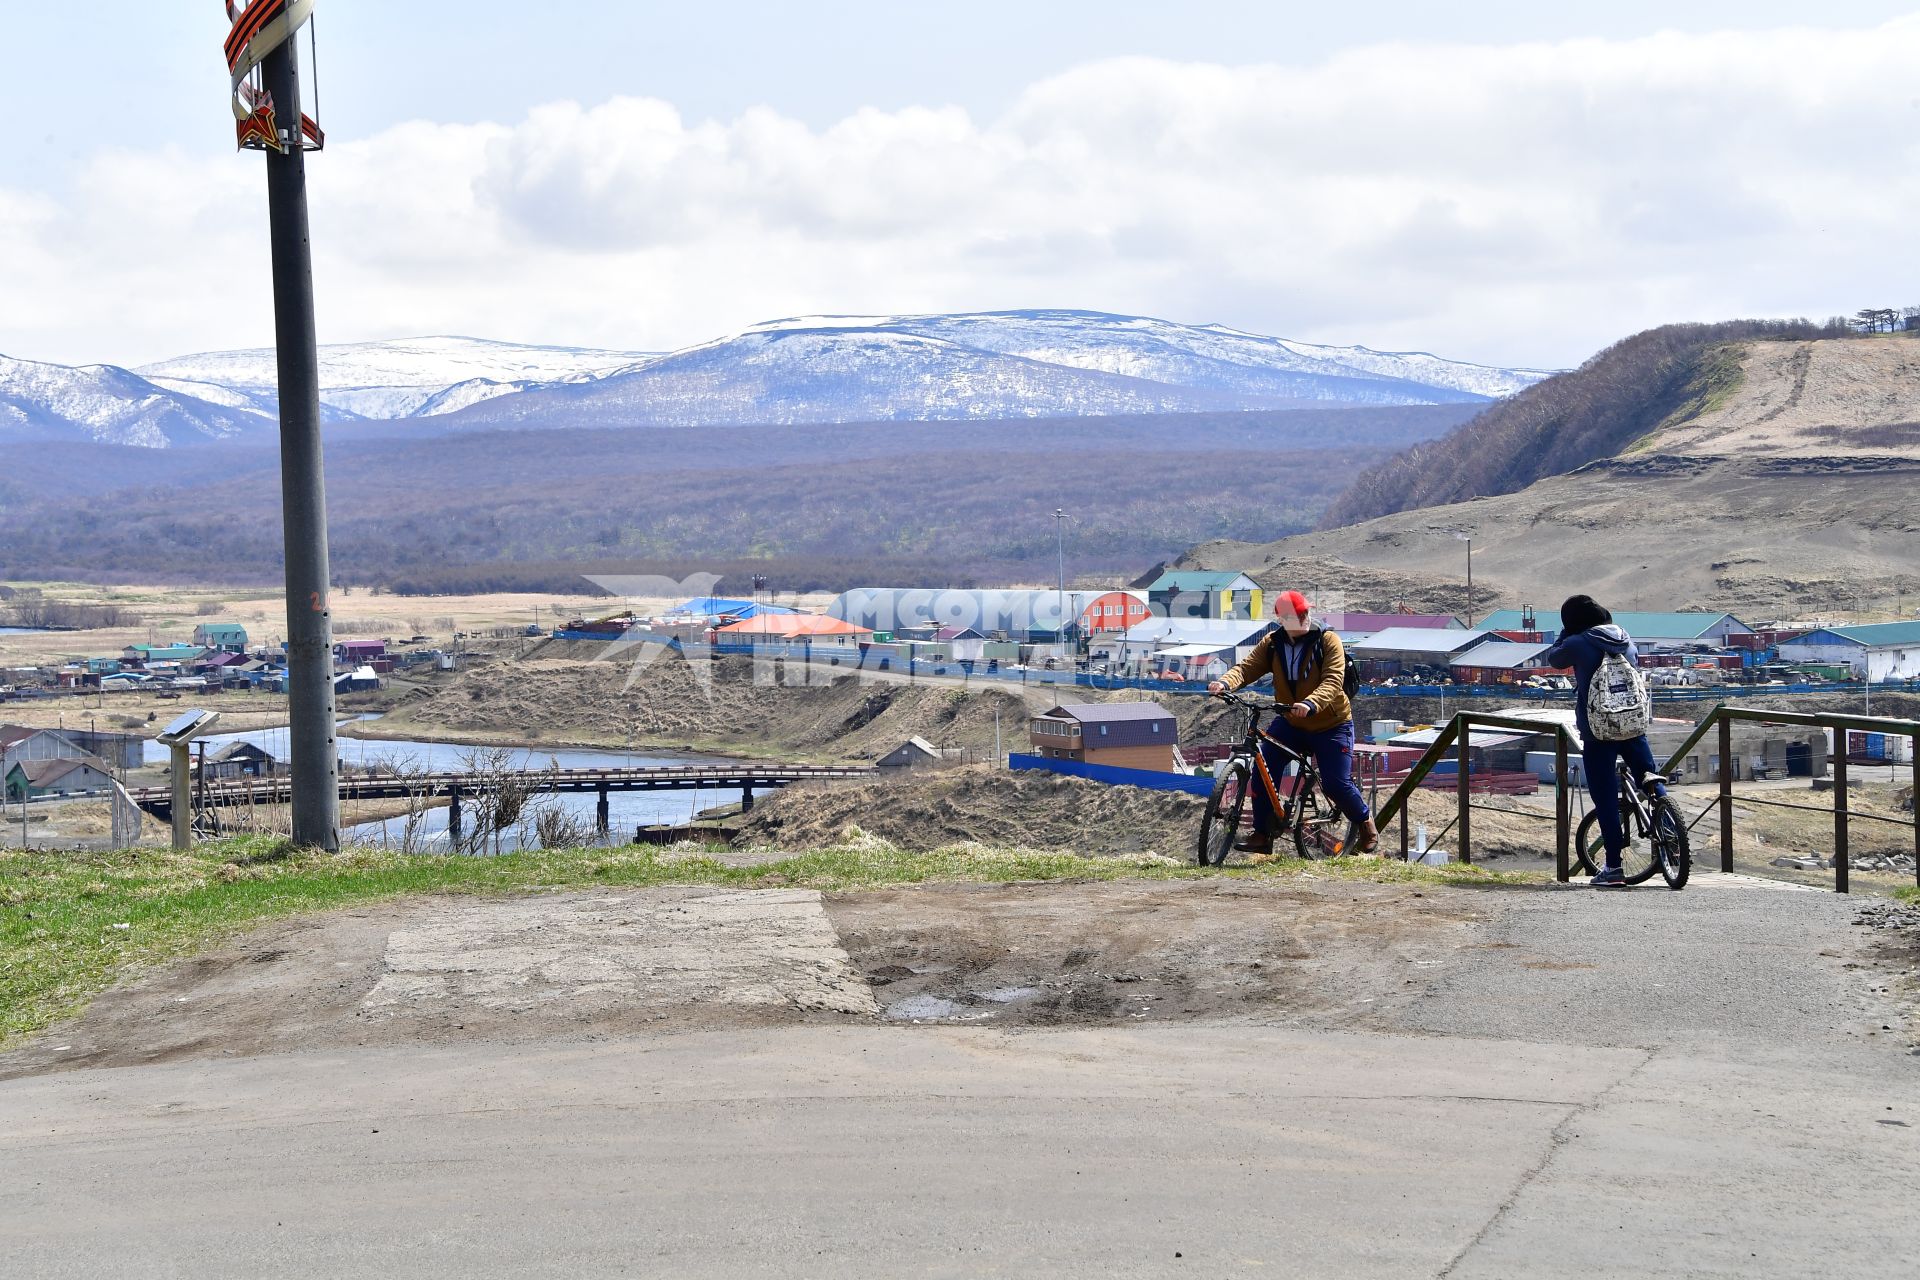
point(1294, 601)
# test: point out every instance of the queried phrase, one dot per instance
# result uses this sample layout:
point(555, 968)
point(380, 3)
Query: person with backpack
point(1612, 710)
point(1312, 687)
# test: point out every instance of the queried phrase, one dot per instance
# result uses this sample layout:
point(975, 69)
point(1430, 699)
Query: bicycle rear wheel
point(1670, 844)
point(1589, 847)
point(1220, 824)
point(1637, 862)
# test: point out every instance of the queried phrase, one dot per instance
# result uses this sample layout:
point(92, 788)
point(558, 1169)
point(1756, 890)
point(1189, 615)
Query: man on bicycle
point(1309, 666)
point(1588, 634)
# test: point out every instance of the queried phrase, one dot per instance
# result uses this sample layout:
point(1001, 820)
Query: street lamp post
point(1060, 546)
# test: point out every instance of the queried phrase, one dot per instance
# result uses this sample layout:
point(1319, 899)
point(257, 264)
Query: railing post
point(603, 810)
point(1406, 854)
point(1562, 812)
point(1913, 798)
point(1466, 844)
point(1726, 794)
point(1840, 809)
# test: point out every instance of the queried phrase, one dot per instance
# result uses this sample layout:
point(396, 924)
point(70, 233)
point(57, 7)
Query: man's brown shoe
point(1256, 844)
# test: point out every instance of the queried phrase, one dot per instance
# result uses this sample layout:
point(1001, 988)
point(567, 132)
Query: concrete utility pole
point(315, 765)
point(1060, 542)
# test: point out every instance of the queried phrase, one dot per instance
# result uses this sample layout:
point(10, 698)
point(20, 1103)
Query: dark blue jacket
point(1584, 651)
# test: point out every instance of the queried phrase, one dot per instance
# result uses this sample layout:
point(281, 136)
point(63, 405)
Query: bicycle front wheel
point(1220, 824)
point(1670, 845)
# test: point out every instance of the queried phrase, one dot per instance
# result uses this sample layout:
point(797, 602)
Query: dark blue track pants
point(1603, 784)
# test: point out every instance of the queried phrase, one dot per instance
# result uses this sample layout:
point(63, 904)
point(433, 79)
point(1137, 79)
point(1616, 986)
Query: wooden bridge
point(452, 785)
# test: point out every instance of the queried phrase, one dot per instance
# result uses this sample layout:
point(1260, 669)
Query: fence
point(1459, 730)
point(1113, 775)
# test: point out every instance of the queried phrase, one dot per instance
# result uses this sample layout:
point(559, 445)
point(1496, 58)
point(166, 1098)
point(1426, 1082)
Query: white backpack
point(1619, 708)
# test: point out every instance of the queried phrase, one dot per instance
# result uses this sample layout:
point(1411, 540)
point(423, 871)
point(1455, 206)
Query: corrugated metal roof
point(1878, 635)
point(1418, 640)
point(1641, 626)
point(1500, 655)
point(1095, 712)
point(792, 624)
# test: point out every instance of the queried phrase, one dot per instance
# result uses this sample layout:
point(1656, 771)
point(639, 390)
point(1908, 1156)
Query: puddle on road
point(926, 1008)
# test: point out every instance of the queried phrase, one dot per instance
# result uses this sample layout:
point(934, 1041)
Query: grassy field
point(72, 924)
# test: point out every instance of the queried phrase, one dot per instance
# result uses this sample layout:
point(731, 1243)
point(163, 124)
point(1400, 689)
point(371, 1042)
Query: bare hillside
point(1858, 397)
point(1790, 490)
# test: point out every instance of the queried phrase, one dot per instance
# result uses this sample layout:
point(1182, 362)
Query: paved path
point(1735, 1121)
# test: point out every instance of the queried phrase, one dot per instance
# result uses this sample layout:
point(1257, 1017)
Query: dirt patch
point(554, 966)
point(928, 809)
point(1132, 951)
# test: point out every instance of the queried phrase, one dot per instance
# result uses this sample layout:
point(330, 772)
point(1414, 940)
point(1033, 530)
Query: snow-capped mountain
point(109, 405)
point(1005, 364)
point(1212, 356)
point(808, 369)
point(408, 377)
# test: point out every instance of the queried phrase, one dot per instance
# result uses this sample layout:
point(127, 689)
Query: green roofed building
point(230, 636)
point(1205, 593)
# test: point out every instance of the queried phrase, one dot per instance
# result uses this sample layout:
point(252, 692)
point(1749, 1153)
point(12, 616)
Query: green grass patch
point(1908, 893)
point(72, 924)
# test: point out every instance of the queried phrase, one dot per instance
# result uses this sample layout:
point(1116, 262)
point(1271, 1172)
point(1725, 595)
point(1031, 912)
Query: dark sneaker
point(1609, 878)
point(1256, 844)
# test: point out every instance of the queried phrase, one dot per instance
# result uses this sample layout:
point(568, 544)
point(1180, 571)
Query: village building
point(230, 637)
point(1875, 651)
point(1496, 661)
point(147, 655)
point(1649, 630)
point(1423, 652)
point(1349, 624)
point(1205, 593)
point(37, 779)
point(914, 753)
point(1129, 735)
point(1007, 614)
point(22, 744)
point(354, 653)
point(811, 631)
point(1187, 647)
point(240, 760)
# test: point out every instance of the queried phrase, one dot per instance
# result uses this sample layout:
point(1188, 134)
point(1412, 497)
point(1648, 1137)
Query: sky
point(1513, 183)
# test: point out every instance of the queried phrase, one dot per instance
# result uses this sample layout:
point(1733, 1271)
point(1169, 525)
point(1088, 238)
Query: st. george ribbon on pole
point(262, 61)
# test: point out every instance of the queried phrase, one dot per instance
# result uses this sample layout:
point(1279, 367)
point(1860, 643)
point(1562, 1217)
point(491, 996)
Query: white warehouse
point(1878, 651)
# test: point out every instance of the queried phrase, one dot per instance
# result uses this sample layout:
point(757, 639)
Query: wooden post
point(1839, 809)
point(746, 798)
point(1406, 854)
point(602, 816)
point(1466, 844)
point(453, 818)
point(1562, 812)
point(1726, 795)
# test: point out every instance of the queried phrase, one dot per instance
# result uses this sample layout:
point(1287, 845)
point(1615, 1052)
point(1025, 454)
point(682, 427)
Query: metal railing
point(1459, 731)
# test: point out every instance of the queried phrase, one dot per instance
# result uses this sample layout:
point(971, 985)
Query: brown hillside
point(1790, 490)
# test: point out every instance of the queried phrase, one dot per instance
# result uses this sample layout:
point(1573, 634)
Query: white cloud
point(1523, 203)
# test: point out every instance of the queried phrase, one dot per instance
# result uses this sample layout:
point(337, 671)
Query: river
point(626, 809)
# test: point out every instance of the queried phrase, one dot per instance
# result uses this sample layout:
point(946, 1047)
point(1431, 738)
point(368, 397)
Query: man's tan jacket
point(1321, 682)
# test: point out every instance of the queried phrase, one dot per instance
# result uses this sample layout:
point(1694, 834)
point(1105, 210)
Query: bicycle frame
point(1304, 772)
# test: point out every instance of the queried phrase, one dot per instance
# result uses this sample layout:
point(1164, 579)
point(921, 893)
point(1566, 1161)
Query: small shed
point(241, 760)
point(914, 753)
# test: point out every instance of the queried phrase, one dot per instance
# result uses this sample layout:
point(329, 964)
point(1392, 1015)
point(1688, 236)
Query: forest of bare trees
point(1569, 420)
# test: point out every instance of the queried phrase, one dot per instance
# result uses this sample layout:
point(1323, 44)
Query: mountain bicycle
point(1301, 810)
point(1656, 835)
